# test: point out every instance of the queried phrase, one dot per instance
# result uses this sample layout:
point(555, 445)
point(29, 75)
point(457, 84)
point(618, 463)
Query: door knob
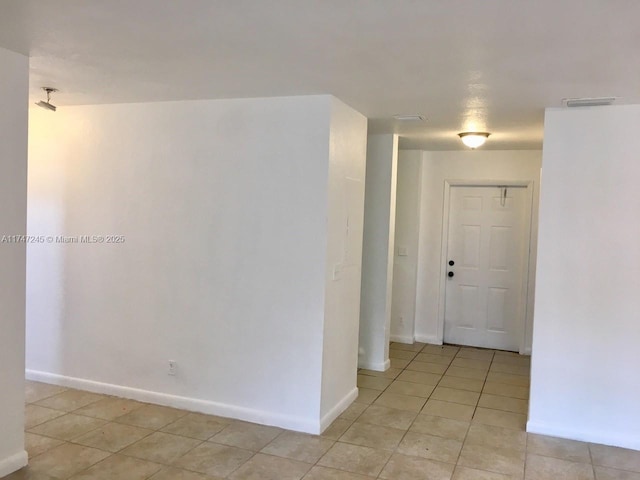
point(452, 263)
point(450, 274)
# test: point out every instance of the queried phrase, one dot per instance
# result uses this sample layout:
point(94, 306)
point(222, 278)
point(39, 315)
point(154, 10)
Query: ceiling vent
point(410, 118)
point(589, 101)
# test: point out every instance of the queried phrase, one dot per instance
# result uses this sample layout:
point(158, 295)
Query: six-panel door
point(486, 243)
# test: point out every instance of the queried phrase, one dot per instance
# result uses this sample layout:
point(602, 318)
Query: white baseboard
point(604, 437)
point(340, 407)
point(408, 339)
point(376, 366)
point(432, 339)
point(13, 463)
point(185, 403)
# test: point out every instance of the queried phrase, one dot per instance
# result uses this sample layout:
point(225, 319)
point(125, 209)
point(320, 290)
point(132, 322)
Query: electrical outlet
point(173, 366)
point(402, 321)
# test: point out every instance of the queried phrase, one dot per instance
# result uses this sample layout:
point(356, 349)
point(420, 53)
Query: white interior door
point(486, 266)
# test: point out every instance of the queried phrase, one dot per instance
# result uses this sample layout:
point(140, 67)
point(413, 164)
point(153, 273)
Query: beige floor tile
point(456, 396)
point(266, 467)
point(389, 373)
point(426, 367)
point(515, 359)
point(476, 354)
point(70, 400)
point(374, 383)
point(27, 473)
point(353, 411)
point(153, 417)
point(387, 417)
point(410, 388)
point(571, 450)
point(400, 402)
point(399, 363)
point(68, 426)
point(299, 446)
point(510, 462)
point(505, 390)
point(500, 418)
point(161, 447)
point(466, 473)
point(438, 359)
point(249, 436)
point(512, 369)
point(197, 425)
point(447, 350)
point(109, 408)
point(113, 437)
point(170, 473)
point(66, 460)
point(472, 373)
point(36, 391)
point(402, 467)
point(35, 415)
point(471, 363)
point(430, 446)
point(496, 437)
point(367, 395)
point(325, 473)
point(337, 428)
point(119, 467)
point(604, 473)
point(375, 436)
point(548, 468)
point(455, 411)
point(356, 459)
point(213, 459)
point(508, 379)
point(614, 457)
point(37, 444)
point(508, 404)
point(461, 383)
point(419, 377)
point(402, 354)
point(412, 347)
point(440, 427)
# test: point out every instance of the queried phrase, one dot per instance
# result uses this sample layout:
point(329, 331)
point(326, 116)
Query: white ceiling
point(489, 65)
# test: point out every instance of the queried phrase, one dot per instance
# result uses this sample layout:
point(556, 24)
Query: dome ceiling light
point(474, 140)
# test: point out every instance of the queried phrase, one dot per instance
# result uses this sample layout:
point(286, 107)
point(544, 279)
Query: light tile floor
point(437, 413)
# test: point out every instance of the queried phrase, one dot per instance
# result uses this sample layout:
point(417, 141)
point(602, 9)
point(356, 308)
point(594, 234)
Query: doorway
point(486, 260)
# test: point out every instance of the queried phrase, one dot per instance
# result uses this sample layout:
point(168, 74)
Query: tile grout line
point(593, 467)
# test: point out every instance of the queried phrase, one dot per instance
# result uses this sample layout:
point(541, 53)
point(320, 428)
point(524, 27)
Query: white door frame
point(528, 184)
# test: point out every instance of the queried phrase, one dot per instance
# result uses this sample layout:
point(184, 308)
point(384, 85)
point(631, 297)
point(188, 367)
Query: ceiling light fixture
point(48, 104)
point(474, 139)
point(589, 101)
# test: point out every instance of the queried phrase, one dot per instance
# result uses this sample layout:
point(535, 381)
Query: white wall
point(223, 205)
point(584, 379)
point(14, 85)
point(377, 251)
point(347, 160)
point(521, 165)
point(405, 265)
